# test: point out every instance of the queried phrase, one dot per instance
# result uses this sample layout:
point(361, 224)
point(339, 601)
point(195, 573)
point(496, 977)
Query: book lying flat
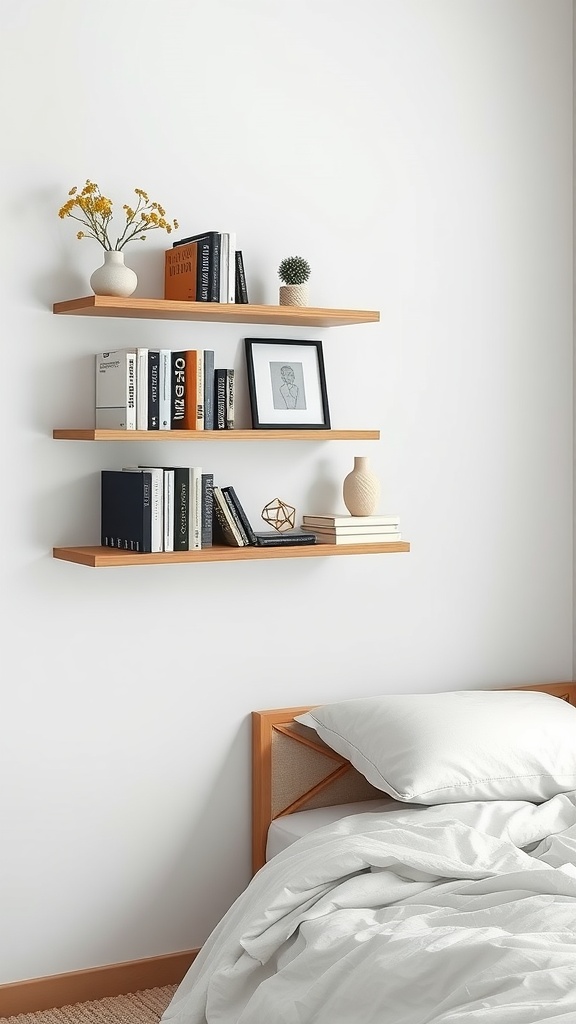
point(359, 538)
point(273, 538)
point(351, 531)
point(331, 520)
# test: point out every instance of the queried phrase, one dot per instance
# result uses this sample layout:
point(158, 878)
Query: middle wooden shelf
point(92, 434)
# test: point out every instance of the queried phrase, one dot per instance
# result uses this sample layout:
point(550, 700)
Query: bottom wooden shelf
point(98, 557)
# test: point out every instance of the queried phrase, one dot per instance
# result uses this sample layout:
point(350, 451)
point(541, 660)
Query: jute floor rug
point(144, 1007)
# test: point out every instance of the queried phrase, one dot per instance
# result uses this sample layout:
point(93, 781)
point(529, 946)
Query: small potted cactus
point(294, 272)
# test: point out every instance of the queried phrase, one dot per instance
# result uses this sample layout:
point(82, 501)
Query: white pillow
point(450, 747)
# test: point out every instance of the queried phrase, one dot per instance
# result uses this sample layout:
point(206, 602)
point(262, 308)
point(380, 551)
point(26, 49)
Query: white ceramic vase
point(361, 488)
point(294, 294)
point(113, 277)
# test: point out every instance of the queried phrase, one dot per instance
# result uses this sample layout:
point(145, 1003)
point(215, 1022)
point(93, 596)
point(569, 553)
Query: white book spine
point(165, 388)
point(116, 390)
point(142, 389)
point(231, 267)
point(195, 514)
point(168, 510)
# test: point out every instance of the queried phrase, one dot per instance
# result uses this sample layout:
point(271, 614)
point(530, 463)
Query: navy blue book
point(208, 264)
point(126, 510)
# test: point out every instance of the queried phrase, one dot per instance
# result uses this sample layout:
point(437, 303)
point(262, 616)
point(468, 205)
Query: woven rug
point(144, 1007)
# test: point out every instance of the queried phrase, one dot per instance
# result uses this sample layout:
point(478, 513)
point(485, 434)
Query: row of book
point(206, 267)
point(161, 389)
point(375, 529)
point(177, 508)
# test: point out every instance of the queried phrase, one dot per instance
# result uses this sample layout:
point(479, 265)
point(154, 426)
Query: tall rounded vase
point(113, 277)
point(361, 488)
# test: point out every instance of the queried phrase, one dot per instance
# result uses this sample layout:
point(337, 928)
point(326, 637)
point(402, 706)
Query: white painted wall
point(419, 154)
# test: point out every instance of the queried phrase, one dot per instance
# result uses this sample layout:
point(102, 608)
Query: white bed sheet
point(454, 914)
point(286, 830)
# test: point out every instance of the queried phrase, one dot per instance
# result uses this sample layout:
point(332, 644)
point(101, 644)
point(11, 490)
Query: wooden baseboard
point(95, 983)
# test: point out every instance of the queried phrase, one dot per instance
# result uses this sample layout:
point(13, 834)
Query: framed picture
point(287, 384)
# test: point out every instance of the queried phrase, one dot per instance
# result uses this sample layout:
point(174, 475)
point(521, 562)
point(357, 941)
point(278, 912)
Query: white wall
point(419, 154)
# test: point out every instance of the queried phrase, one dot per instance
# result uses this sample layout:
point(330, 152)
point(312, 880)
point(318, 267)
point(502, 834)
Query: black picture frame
point(287, 384)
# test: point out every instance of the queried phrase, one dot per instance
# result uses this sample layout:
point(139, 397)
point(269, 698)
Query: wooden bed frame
point(293, 770)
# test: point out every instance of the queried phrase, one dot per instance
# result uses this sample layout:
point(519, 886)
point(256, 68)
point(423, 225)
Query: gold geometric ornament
point(279, 514)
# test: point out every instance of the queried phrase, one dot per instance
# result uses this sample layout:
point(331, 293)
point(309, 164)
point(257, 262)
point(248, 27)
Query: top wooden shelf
point(215, 312)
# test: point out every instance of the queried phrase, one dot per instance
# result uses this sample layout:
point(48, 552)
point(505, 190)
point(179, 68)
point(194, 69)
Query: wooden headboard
point(293, 770)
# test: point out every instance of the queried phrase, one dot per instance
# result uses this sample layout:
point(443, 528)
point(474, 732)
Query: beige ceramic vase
point(361, 489)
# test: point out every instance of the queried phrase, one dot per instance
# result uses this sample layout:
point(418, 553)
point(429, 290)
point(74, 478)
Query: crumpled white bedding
point(460, 912)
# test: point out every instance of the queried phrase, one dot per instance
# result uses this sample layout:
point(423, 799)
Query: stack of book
point(158, 389)
point(206, 267)
point(330, 529)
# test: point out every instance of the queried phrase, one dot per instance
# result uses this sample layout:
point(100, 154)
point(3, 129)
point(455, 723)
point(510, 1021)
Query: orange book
point(180, 272)
point(194, 390)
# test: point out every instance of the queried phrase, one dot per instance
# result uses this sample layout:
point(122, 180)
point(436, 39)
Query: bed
point(415, 863)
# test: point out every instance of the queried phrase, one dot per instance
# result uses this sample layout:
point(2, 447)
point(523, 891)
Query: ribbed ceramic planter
point(294, 294)
point(113, 277)
point(361, 488)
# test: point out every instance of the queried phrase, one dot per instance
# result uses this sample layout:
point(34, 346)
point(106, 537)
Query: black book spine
point(178, 395)
point(206, 531)
point(220, 398)
point(241, 287)
point(230, 399)
point(126, 510)
point(234, 502)
point(153, 390)
point(181, 507)
point(203, 272)
point(235, 516)
point(279, 539)
point(214, 289)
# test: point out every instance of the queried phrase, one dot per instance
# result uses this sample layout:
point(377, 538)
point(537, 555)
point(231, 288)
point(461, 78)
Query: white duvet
point(437, 915)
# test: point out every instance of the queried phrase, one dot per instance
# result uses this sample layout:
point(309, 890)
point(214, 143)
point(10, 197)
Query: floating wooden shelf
point(99, 557)
point(215, 312)
point(90, 434)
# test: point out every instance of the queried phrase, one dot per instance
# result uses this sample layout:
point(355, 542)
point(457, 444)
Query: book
point(178, 399)
point(168, 518)
point(272, 538)
point(141, 389)
point(206, 533)
point(230, 399)
point(195, 509)
point(351, 531)
point(241, 287)
point(125, 510)
point(208, 243)
point(181, 273)
point(153, 389)
point(338, 520)
point(193, 418)
point(208, 389)
point(233, 500)
point(156, 502)
point(223, 519)
point(116, 390)
point(235, 517)
point(220, 398)
point(165, 389)
point(356, 538)
point(228, 266)
point(181, 506)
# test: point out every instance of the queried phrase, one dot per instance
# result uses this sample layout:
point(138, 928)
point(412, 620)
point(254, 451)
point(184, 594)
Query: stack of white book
point(353, 529)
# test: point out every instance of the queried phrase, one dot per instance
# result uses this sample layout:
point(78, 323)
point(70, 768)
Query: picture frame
point(287, 384)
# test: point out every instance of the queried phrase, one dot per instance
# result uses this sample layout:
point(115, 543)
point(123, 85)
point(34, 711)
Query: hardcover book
point(224, 523)
point(241, 287)
point(234, 501)
point(116, 390)
point(208, 389)
point(194, 390)
point(337, 520)
point(206, 534)
point(125, 510)
point(352, 531)
point(355, 538)
point(272, 538)
point(235, 516)
point(195, 513)
point(208, 263)
point(181, 273)
point(141, 389)
point(153, 389)
point(181, 506)
point(220, 398)
point(165, 389)
point(230, 399)
point(178, 406)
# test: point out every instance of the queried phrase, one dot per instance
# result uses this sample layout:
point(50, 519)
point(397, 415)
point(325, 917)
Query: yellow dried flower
point(94, 212)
